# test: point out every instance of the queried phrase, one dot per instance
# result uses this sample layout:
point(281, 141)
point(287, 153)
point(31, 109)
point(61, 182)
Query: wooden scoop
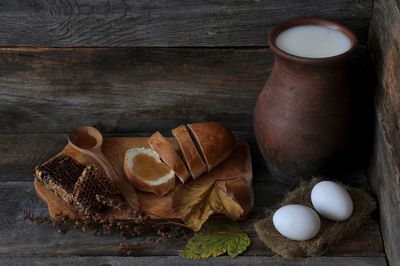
point(89, 140)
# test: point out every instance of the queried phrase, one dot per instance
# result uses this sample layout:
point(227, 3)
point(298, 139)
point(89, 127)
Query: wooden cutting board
point(236, 170)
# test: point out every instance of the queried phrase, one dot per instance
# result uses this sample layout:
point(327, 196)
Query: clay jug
point(302, 114)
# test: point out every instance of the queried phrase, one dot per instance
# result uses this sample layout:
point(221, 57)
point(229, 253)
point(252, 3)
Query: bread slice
point(169, 155)
point(190, 153)
point(147, 172)
point(215, 142)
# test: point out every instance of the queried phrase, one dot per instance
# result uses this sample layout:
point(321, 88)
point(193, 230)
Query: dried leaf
point(228, 204)
point(196, 201)
point(216, 238)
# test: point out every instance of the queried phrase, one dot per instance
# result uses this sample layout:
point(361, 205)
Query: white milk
point(313, 41)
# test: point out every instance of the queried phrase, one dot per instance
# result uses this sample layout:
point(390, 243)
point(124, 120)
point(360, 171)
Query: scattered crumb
point(37, 219)
point(125, 249)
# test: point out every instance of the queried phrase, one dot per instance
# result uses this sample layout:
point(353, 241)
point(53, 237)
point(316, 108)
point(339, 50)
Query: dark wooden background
point(132, 67)
point(162, 23)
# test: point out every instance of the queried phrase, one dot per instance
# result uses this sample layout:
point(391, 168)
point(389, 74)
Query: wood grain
point(128, 90)
point(384, 174)
point(384, 43)
point(383, 177)
point(21, 153)
point(136, 89)
point(22, 238)
point(178, 261)
point(80, 23)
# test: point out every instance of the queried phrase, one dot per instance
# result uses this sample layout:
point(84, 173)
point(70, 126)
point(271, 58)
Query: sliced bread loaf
point(190, 153)
point(169, 155)
point(215, 142)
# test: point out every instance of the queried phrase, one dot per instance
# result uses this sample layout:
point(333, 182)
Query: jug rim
point(311, 21)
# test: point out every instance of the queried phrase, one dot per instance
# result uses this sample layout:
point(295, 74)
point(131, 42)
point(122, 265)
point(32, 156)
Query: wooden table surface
point(27, 242)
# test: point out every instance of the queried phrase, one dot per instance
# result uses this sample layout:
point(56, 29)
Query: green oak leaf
point(216, 238)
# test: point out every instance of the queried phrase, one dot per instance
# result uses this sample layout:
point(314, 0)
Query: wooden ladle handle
point(89, 140)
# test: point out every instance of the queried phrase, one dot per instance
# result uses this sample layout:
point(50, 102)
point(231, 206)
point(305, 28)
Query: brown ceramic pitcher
point(302, 115)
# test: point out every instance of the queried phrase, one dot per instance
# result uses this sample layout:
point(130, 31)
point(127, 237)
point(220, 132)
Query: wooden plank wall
point(384, 174)
point(67, 23)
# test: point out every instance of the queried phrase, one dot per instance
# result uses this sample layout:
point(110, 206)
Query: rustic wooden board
point(28, 148)
point(164, 23)
point(384, 174)
point(22, 238)
point(236, 170)
point(126, 90)
point(177, 261)
point(384, 43)
point(138, 89)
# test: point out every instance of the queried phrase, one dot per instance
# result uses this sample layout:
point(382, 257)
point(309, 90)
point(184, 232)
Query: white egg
point(297, 222)
point(332, 201)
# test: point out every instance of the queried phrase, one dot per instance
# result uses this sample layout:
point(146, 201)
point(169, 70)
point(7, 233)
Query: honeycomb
point(60, 175)
point(84, 187)
point(93, 191)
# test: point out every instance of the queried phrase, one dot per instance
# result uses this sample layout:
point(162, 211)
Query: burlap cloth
point(331, 232)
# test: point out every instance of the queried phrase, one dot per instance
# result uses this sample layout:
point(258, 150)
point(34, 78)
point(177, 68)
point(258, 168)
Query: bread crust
point(169, 155)
point(216, 142)
point(190, 153)
point(160, 189)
